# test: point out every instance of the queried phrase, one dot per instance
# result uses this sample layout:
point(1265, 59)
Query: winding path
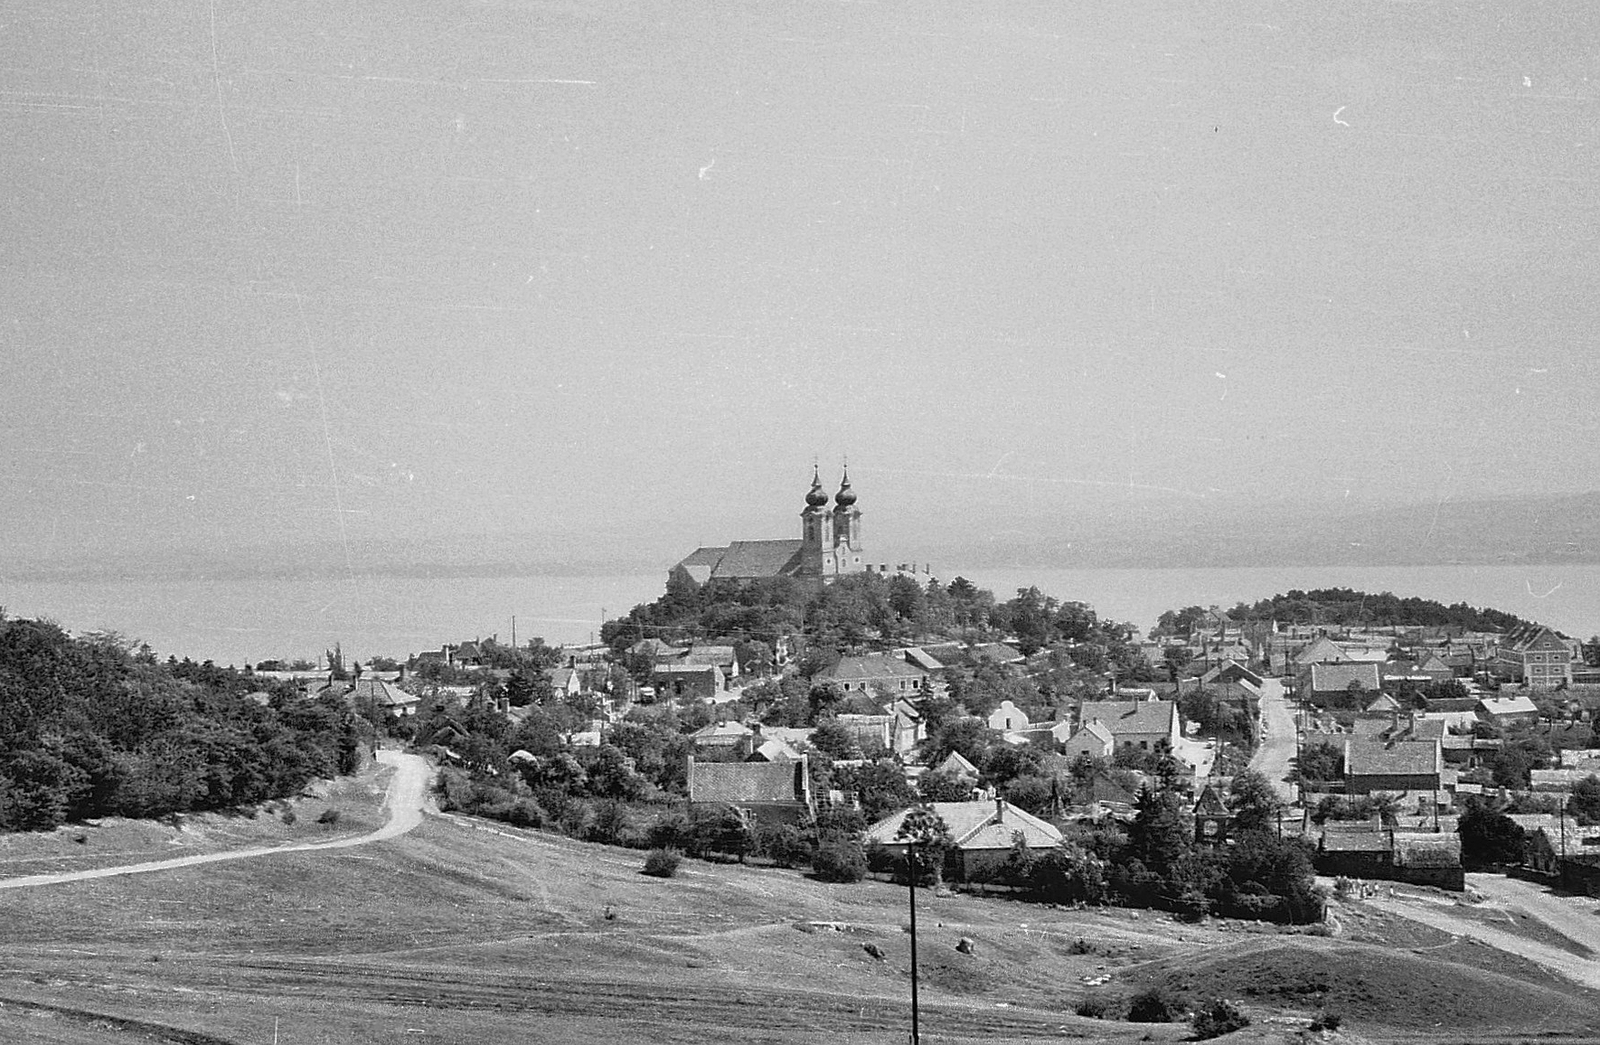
point(403, 801)
point(1572, 917)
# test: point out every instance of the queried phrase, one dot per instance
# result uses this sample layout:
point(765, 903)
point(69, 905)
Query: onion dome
point(816, 498)
point(846, 496)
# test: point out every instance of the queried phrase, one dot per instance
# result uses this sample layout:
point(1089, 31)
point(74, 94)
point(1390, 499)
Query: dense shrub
point(784, 845)
point(1327, 1021)
point(525, 812)
point(662, 863)
point(882, 860)
point(840, 860)
point(1096, 1007)
point(1155, 1005)
point(329, 817)
point(1216, 1018)
point(671, 831)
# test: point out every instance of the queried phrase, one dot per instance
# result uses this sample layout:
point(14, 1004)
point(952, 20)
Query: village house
point(1505, 712)
point(1405, 765)
point(769, 792)
point(984, 833)
point(876, 673)
point(689, 681)
point(1008, 717)
point(564, 682)
point(1143, 725)
point(1534, 654)
point(1325, 683)
point(1093, 738)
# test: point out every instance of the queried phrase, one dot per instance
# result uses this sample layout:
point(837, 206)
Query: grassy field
point(469, 932)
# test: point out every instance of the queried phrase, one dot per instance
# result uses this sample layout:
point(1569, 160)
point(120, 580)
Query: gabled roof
point(1526, 638)
point(1232, 671)
point(381, 692)
point(1519, 705)
point(871, 668)
point(1322, 651)
point(720, 731)
point(1384, 702)
point(1132, 716)
point(744, 560)
point(1210, 803)
point(1402, 758)
point(1334, 678)
point(748, 783)
point(923, 659)
point(1353, 837)
point(957, 764)
point(1427, 850)
point(975, 825)
point(1098, 730)
point(773, 750)
point(705, 655)
point(1432, 663)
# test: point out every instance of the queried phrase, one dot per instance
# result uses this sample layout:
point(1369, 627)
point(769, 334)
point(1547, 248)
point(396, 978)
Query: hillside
point(465, 932)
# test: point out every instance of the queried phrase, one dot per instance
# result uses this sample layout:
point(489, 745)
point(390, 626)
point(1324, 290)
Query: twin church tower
point(829, 547)
point(830, 542)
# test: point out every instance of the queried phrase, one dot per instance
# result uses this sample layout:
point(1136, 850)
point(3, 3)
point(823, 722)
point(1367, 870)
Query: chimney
point(999, 809)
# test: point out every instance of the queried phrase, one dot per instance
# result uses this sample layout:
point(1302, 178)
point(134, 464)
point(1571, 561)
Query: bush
point(784, 845)
point(1154, 1005)
point(289, 817)
point(1327, 1021)
point(329, 817)
point(880, 860)
point(671, 831)
point(1218, 1017)
point(662, 863)
point(525, 812)
point(840, 860)
point(1095, 1007)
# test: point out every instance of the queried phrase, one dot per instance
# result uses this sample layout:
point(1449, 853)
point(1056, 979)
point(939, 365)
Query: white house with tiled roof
point(1534, 654)
point(984, 833)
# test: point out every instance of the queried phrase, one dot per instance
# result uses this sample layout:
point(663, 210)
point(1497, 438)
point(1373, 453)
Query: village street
point(404, 802)
point(1275, 753)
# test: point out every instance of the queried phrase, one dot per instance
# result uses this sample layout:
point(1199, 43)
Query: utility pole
point(911, 881)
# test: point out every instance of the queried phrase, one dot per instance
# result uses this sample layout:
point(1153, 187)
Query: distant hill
point(1510, 531)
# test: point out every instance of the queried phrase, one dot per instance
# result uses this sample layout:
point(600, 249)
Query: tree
point(1157, 837)
point(927, 839)
point(834, 739)
point(1489, 837)
point(1584, 802)
point(1319, 762)
point(937, 786)
point(1516, 759)
point(1177, 658)
point(1256, 804)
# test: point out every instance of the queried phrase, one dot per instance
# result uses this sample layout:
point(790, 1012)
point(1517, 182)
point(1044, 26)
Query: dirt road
point(1275, 753)
point(403, 801)
point(1572, 917)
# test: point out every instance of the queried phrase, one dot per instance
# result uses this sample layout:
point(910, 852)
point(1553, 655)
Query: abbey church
point(829, 546)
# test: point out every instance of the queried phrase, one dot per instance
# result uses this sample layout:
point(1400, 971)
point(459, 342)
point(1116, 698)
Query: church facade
point(829, 546)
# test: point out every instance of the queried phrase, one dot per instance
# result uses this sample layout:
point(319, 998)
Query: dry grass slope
point(471, 932)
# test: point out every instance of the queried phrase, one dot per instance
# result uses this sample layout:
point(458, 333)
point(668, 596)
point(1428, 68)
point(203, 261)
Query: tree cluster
point(91, 727)
point(1344, 606)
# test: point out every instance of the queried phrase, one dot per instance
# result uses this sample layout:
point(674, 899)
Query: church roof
point(744, 560)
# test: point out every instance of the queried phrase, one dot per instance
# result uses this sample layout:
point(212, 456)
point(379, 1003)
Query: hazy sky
point(310, 272)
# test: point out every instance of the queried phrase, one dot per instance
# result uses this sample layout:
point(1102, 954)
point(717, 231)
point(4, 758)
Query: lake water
point(233, 621)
